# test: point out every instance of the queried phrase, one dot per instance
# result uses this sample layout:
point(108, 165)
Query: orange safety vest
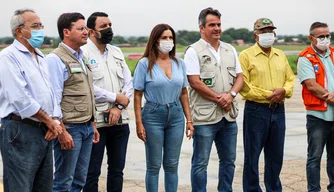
point(312, 102)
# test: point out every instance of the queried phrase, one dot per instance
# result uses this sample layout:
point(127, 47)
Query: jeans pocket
point(149, 108)
point(70, 125)
point(13, 131)
point(252, 108)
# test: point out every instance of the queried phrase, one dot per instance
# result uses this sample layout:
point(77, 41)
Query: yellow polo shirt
point(262, 73)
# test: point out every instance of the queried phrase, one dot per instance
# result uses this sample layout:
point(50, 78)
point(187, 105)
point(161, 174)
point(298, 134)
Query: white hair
point(17, 19)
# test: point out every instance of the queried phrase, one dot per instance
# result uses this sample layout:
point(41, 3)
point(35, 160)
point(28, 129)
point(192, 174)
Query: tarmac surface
point(293, 175)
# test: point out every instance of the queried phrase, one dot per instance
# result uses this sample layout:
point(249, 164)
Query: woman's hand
point(141, 132)
point(189, 130)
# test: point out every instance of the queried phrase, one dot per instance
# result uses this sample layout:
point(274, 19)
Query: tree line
point(185, 38)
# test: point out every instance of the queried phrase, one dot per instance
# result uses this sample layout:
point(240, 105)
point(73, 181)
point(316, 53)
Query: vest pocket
point(232, 76)
point(235, 110)
point(204, 112)
point(101, 106)
point(208, 78)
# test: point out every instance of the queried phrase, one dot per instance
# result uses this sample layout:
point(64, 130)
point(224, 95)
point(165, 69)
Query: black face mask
point(106, 36)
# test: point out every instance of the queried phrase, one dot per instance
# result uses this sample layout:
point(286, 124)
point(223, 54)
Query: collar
point(258, 50)
point(326, 54)
point(78, 54)
point(208, 44)
point(91, 43)
point(22, 48)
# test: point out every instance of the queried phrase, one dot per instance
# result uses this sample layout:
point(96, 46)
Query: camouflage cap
point(263, 23)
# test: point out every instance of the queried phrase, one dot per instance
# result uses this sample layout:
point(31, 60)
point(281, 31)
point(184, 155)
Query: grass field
point(180, 49)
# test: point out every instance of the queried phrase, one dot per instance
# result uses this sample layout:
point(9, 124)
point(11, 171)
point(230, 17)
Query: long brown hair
point(152, 51)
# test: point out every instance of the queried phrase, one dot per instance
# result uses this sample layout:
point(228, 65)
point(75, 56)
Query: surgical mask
point(324, 43)
point(266, 40)
point(106, 36)
point(37, 38)
point(165, 46)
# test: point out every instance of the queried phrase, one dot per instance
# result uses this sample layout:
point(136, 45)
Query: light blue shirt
point(59, 74)
point(25, 86)
point(305, 71)
point(159, 88)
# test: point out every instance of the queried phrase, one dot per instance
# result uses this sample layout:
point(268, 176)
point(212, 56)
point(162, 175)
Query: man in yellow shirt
point(268, 80)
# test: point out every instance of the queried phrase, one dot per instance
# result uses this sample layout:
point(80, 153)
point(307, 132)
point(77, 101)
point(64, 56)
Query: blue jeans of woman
point(164, 126)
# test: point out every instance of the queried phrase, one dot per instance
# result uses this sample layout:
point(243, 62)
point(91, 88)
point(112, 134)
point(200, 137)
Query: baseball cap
point(263, 23)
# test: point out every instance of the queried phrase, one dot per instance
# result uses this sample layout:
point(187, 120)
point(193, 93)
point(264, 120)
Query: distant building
point(240, 42)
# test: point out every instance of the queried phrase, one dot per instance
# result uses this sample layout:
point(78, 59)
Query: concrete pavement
point(293, 175)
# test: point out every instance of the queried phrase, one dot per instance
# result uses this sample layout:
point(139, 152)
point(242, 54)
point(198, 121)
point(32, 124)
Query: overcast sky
point(138, 17)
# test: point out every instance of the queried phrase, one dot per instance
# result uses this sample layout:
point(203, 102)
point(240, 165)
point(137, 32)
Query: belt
point(25, 121)
point(269, 105)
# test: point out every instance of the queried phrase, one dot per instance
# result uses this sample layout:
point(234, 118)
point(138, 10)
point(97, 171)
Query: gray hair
point(17, 19)
point(316, 25)
point(204, 13)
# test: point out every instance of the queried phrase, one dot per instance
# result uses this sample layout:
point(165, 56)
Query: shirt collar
point(326, 54)
point(208, 44)
point(258, 50)
point(90, 42)
point(78, 54)
point(22, 48)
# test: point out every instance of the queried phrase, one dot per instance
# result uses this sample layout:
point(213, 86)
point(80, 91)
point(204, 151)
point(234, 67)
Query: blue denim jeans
point(27, 158)
point(71, 166)
point(264, 128)
point(319, 134)
point(115, 139)
point(164, 126)
point(224, 134)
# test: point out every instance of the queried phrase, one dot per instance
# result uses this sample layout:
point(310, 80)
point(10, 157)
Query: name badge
point(92, 64)
point(75, 68)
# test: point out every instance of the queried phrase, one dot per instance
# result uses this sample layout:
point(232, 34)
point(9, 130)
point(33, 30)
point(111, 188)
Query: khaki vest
point(219, 78)
point(77, 104)
point(107, 75)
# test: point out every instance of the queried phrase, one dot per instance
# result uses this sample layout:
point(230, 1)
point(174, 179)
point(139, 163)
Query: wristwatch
point(119, 106)
point(234, 94)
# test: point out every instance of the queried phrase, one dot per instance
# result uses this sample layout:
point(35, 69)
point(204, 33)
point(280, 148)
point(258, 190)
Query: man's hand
point(122, 99)
point(50, 135)
point(54, 127)
point(66, 141)
point(277, 96)
point(114, 115)
point(329, 98)
point(96, 137)
point(224, 100)
point(141, 132)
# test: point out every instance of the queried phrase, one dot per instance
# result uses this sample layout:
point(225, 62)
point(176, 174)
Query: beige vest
point(77, 104)
point(219, 78)
point(107, 75)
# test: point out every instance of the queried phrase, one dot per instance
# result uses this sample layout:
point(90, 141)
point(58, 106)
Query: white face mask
point(266, 40)
point(323, 44)
point(165, 46)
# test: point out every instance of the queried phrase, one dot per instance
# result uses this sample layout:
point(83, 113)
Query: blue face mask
point(37, 38)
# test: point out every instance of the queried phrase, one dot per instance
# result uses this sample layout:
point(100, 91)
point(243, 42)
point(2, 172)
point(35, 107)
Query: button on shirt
point(263, 73)
point(24, 83)
point(305, 71)
point(55, 64)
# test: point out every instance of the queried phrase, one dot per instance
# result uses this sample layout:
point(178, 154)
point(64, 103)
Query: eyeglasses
point(35, 26)
point(82, 29)
point(322, 37)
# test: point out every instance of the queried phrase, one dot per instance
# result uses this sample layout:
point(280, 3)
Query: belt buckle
point(273, 105)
